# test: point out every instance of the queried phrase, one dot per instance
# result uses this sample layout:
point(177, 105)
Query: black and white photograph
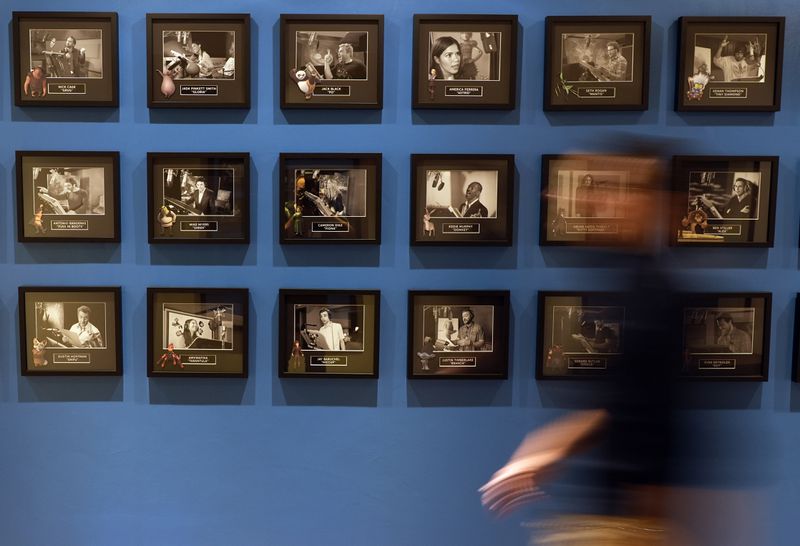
point(200, 332)
point(597, 63)
point(68, 196)
point(330, 61)
point(727, 200)
point(458, 334)
point(462, 199)
point(590, 200)
point(65, 59)
point(464, 61)
point(330, 198)
point(726, 335)
point(70, 330)
point(199, 60)
point(581, 334)
point(730, 63)
point(199, 197)
point(331, 333)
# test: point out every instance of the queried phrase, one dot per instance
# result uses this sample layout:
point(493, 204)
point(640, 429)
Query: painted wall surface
point(124, 461)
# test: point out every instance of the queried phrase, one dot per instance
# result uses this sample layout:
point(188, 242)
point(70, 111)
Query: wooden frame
point(70, 351)
point(62, 86)
point(219, 86)
point(90, 220)
point(323, 219)
point(198, 353)
point(723, 90)
point(308, 352)
point(429, 359)
point(606, 90)
point(213, 220)
point(489, 221)
point(498, 90)
point(302, 89)
point(715, 215)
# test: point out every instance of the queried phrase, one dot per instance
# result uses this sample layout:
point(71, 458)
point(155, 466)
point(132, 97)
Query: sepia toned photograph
point(597, 63)
point(199, 55)
point(68, 196)
point(70, 330)
point(728, 200)
point(465, 55)
point(331, 61)
point(329, 333)
point(197, 332)
point(458, 334)
point(462, 199)
point(65, 59)
point(709, 331)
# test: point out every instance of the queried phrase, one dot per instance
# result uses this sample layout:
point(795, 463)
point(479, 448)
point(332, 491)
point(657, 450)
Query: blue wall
point(128, 460)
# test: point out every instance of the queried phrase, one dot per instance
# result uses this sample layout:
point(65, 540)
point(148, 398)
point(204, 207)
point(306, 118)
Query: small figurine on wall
point(170, 356)
point(296, 361)
point(38, 353)
point(38, 222)
point(167, 83)
point(426, 354)
point(306, 81)
point(36, 83)
point(166, 219)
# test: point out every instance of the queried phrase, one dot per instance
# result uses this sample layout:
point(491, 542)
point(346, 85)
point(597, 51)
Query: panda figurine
point(305, 81)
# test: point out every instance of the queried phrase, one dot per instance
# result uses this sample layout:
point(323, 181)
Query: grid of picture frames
point(459, 61)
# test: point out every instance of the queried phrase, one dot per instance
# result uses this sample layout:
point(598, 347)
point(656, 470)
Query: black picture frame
point(574, 80)
point(309, 353)
point(498, 90)
point(219, 351)
point(796, 342)
point(706, 209)
point(89, 214)
point(709, 90)
point(585, 199)
point(704, 352)
point(327, 210)
point(219, 83)
point(489, 221)
point(222, 218)
point(66, 78)
point(429, 359)
point(300, 86)
point(50, 348)
point(570, 342)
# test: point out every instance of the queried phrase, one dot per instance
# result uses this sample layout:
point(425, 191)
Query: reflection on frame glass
point(462, 200)
point(465, 61)
point(70, 330)
point(331, 61)
point(597, 63)
point(330, 333)
point(726, 336)
point(65, 59)
point(197, 332)
point(724, 200)
point(458, 334)
point(730, 63)
point(68, 196)
point(328, 198)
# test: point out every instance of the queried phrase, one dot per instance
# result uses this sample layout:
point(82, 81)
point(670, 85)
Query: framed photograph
point(465, 61)
point(726, 336)
point(198, 332)
point(796, 350)
point(70, 330)
point(581, 334)
point(198, 60)
point(328, 333)
point(330, 198)
point(331, 61)
point(724, 200)
point(65, 59)
point(590, 200)
point(597, 63)
point(730, 64)
point(462, 199)
point(198, 197)
point(67, 197)
point(458, 334)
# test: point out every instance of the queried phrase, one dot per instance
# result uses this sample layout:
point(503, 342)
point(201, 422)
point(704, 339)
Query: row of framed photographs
point(335, 333)
point(459, 61)
point(456, 199)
